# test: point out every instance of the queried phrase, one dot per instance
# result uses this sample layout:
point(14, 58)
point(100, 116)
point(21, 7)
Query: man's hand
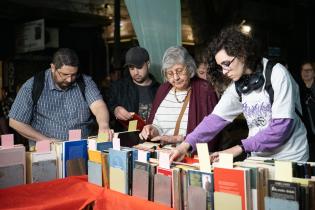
point(179, 152)
point(122, 114)
point(148, 132)
point(166, 139)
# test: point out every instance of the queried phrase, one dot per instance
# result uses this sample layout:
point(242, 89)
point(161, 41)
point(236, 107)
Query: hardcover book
point(141, 179)
point(234, 181)
point(41, 166)
point(205, 182)
point(74, 158)
point(280, 204)
point(129, 138)
point(119, 162)
point(95, 173)
point(12, 166)
point(283, 190)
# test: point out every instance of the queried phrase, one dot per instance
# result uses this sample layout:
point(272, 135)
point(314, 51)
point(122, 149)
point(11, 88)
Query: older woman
point(181, 102)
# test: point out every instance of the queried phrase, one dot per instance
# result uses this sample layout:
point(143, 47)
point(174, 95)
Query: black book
point(283, 190)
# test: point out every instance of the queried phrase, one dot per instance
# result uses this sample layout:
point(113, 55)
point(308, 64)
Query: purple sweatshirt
point(271, 137)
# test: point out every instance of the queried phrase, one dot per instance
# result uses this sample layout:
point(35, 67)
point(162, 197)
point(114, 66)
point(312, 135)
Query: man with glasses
point(307, 90)
point(135, 92)
point(61, 106)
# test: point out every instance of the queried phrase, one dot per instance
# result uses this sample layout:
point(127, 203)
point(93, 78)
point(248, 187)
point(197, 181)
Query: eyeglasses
point(66, 76)
point(225, 65)
point(178, 71)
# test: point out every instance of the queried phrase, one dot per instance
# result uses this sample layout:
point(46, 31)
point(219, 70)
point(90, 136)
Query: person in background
point(308, 103)
point(181, 102)
point(135, 92)
point(5, 105)
point(61, 105)
point(202, 66)
point(275, 129)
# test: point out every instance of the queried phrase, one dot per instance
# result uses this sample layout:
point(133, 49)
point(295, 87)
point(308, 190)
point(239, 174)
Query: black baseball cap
point(136, 56)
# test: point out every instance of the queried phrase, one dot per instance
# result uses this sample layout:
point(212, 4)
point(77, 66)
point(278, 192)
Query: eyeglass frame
point(66, 76)
point(179, 73)
point(225, 65)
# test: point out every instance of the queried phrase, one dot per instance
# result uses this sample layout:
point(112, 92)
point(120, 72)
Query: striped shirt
point(168, 112)
point(57, 110)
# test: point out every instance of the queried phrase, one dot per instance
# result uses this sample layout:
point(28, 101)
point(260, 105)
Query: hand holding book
point(133, 116)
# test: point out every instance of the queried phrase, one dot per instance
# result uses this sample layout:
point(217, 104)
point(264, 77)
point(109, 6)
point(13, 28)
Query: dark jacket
point(124, 92)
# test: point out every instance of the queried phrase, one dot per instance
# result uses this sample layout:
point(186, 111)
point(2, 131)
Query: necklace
point(178, 101)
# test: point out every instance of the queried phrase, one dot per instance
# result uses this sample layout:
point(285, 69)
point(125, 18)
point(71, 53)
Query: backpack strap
point(39, 82)
point(38, 86)
point(81, 84)
point(238, 93)
point(268, 86)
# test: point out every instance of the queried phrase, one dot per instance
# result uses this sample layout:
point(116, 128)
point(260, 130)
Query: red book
point(232, 181)
point(140, 124)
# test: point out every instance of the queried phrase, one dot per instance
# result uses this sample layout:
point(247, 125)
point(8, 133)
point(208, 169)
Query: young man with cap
point(135, 92)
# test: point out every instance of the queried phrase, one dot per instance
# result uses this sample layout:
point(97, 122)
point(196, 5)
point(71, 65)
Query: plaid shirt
point(57, 110)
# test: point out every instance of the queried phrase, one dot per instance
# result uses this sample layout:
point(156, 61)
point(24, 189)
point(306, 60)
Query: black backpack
point(268, 86)
point(39, 82)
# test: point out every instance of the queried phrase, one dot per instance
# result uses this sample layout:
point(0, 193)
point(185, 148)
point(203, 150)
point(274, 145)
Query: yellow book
point(95, 156)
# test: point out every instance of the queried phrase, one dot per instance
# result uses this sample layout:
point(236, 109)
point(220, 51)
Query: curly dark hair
point(235, 43)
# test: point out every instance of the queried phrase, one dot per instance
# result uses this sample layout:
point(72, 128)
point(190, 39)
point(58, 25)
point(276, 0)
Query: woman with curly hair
point(275, 129)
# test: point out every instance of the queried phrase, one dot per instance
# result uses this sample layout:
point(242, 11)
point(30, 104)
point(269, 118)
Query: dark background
point(286, 28)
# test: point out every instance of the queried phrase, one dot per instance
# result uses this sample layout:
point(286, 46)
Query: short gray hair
point(178, 55)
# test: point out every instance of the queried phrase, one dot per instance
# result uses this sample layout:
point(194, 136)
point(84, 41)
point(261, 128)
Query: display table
point(70, 193)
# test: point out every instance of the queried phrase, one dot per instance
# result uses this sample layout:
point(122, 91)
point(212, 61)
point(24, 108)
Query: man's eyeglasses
point(225, 65)
point(179, 72)
point(66, 76)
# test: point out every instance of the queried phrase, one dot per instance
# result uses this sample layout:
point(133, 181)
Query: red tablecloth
point(70, 193)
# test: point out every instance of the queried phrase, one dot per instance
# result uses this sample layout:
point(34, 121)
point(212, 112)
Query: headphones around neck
point(248, 83)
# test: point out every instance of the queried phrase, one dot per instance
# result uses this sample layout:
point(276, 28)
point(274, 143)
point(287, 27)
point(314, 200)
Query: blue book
point(119, 170)
point(101, 146)
point(95, 173)
point(280, 204)
point(75, 158)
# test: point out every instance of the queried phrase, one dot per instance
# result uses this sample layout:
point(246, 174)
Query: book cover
point(74, 157)
point(41, 166)
point(184, 183)
point(12, 166)
point(141, 179)
point(105, 168)
point(129, 138)
point(204, 181)
point(280, 204)
point(283, 190)
point(233, 181)
point(95, 156)
point(162, 189)
point(119, 162)
point(227, 201)
point(11, 175)
point(197, 198)
point(57, 147)
point(95, 173)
